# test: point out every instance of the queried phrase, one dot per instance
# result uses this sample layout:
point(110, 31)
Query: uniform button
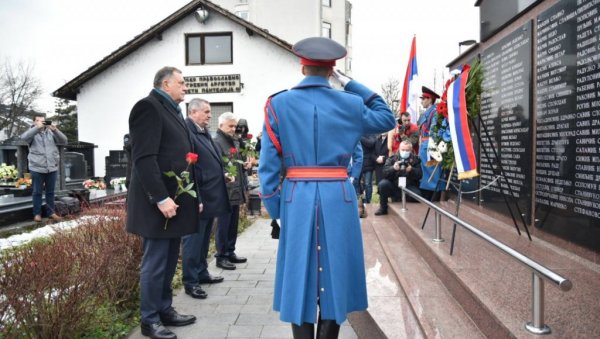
point(318, 248)
point(322, 289)
point(320, 269)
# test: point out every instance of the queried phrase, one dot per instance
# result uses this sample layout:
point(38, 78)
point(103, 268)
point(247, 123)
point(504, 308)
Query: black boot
point(327, 329)
point(305, 331)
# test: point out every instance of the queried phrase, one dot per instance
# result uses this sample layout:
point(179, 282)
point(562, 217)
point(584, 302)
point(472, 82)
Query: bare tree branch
point(390, 91)
point(19, 89)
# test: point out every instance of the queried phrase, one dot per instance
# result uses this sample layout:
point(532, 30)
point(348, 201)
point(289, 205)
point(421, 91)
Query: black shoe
point(172, 318)
point(225, 264)
point(210, 279)
point(157, 331)
point(236, 260)
point(196, 292)
point(381, 211)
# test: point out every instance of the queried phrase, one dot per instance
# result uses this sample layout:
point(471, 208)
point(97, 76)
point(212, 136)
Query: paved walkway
point(241, 306)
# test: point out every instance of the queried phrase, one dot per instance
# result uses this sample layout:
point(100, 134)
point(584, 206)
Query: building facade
point(294, 20)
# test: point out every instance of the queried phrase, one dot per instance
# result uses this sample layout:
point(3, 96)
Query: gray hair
point(196, 103)
point(406, 142)
point(226, 117)
point(163, 74)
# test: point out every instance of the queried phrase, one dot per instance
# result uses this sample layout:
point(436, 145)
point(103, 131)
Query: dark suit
point(159, 143)
point(211, 185)
point(381, 148)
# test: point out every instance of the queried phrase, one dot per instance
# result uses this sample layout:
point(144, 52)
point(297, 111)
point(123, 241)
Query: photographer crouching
point(403, 163)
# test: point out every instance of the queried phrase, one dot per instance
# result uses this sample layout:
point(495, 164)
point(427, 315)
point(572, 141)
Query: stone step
point(493, 289)
point(406, 298)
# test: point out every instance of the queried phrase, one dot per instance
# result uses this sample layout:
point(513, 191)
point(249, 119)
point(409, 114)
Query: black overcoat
point(159, 143)
point(209, 173)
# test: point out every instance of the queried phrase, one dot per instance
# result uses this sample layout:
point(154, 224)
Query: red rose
point(249, 136)
point(232, 151)
point(191, 158)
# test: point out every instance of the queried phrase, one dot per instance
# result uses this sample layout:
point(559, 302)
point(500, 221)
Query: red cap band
point(427, 95)
point(321, 63)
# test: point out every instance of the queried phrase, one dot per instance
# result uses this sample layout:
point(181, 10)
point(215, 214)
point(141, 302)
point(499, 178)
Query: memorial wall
point(567, 163)
point(506, 133)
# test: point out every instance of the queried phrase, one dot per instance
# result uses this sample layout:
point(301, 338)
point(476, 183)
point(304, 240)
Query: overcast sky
point(62, 38)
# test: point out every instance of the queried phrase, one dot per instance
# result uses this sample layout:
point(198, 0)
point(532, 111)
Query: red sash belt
point(317, 173)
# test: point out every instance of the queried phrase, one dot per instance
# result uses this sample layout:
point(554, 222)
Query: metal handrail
point(537, 326)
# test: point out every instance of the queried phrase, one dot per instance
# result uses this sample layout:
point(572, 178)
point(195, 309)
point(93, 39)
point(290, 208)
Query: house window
point(326, 3)
point(242, 14)
point(216, 110)
point(213, 48)
point(326, 30)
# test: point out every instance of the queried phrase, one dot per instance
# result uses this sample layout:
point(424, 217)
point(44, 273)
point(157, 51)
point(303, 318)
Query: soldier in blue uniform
point(312, 130)
point(428, 186)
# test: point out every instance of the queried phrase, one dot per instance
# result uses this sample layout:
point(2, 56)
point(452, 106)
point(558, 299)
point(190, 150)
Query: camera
point(402, 164)
point(48, 122)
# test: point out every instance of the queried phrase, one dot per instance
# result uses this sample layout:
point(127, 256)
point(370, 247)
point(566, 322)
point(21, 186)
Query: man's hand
point(200, 208)
point(379, 159)
point(408, 169)
point(341, 77)
point(168, 208)
point(38, 124)
point(230, 178)
point(52, 127)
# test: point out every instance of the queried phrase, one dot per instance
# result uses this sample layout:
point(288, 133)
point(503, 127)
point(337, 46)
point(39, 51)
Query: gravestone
point(75, 166)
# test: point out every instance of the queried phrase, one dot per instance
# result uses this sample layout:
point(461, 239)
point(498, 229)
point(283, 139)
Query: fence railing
point(539, 272)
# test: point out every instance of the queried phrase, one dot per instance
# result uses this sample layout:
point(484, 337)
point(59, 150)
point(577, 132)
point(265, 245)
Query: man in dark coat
point(368, 166)
point(237, 187)
point(160, 143)
point(403, 163)
point(381, 154)
point(208, 171)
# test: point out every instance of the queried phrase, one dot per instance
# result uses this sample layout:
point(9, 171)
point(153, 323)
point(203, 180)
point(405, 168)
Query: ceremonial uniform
point(425, 124)
point(314, 128)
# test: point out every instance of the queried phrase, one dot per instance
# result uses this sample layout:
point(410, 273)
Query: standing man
point(211, 185)
point(381, 155)
point(237, 187)
point(160, 143)
point(403, 163)
point(368, 143)
point(405, 130)
point(319, 276)
point(43, 158)
point(429, 182)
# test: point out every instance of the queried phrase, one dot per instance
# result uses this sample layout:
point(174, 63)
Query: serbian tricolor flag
point(411, 90)
point(464, 155)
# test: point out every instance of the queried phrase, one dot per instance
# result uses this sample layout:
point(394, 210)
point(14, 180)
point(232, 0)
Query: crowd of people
point(311, 180)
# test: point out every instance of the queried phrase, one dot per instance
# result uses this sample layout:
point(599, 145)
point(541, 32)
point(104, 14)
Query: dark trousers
point(43, 182)
point(195, 251)
point(158, 268)
point(367, 178)
point(378, 173)
point(227, 230)
point(387, 190)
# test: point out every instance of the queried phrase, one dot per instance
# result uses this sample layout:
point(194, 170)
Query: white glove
point(341, 77)
point(351, 180)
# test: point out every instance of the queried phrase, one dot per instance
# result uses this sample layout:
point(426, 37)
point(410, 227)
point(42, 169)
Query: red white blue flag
point(464, 155)
point(411, 90)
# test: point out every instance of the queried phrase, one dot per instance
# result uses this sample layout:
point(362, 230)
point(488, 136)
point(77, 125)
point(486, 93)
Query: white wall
point(105, 101)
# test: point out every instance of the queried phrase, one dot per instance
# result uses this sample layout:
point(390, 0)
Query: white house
point(226, 60)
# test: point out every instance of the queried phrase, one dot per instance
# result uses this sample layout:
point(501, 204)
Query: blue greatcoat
point(425, 124)
point(320, 256)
